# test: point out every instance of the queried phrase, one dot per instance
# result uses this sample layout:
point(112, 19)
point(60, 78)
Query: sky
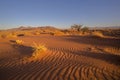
point(59, 13)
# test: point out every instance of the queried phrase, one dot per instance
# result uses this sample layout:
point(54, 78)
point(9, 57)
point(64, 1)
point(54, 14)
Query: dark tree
point(76, 27)
point(85, 29)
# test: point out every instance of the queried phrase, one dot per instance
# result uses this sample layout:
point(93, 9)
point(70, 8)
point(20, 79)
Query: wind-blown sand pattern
point(66, 58)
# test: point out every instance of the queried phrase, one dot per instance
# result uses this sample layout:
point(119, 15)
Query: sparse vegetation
point(76, 27)
point(111, 50)
point(85, 29)
point(38, 49)
point(37, 33)
point(19, 42)
point(98, 56)
point(97, 34)
point(7, 35)
point(57, 33)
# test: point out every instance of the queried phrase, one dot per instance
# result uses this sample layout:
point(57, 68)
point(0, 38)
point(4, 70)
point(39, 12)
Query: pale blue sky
point(59, 13)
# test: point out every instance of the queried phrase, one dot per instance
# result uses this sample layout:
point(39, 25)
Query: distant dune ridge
point(48, 53)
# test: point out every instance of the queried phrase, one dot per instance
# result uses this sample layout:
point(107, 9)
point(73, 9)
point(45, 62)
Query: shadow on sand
point(112, 42)
point(110, 58)
point(24, 50)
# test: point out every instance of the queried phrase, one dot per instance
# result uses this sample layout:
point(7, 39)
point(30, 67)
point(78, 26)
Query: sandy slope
point(67, 58)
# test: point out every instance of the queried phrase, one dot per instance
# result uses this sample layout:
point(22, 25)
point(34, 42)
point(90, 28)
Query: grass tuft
point(113, 50)
point(38, 49)
point(19, 42)
point(97, 34)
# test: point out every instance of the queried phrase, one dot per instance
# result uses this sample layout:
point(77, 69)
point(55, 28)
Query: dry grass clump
point(38, 49)
point(112, 50)
point(36, 33)
point(19, 42)
point(97, 34)
point(57, 33)
point(7, 35)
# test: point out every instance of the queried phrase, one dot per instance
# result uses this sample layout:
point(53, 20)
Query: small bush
point(76, 27)
point(38, 49)
point(37, 33)
point(97, 34)
point(7, 35)
point(85, 29)
point(57, 33)
point(19, 42)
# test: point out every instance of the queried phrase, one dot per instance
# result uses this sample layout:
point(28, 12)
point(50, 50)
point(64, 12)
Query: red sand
point(66, 58)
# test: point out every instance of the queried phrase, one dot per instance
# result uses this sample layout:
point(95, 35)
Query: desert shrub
point(3, 35)
point(7, 35)
point(38, 49)
point(76, 27)
point(19, 42)
point(85, 29)
point(57, 33)
point(36, 33)
point(97, 34)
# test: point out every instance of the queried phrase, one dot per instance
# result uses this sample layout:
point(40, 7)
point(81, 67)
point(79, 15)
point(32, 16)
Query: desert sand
point(66, 58)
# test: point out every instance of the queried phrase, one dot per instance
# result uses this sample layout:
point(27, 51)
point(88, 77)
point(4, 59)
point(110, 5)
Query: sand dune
point(67, 58)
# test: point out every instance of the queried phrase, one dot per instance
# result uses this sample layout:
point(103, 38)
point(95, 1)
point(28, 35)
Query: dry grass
point(97, 34)
point(57, 33)
point(111, 50)
point(7, 35)
point(38, 49)
point(36, 33)
point(19, 42)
